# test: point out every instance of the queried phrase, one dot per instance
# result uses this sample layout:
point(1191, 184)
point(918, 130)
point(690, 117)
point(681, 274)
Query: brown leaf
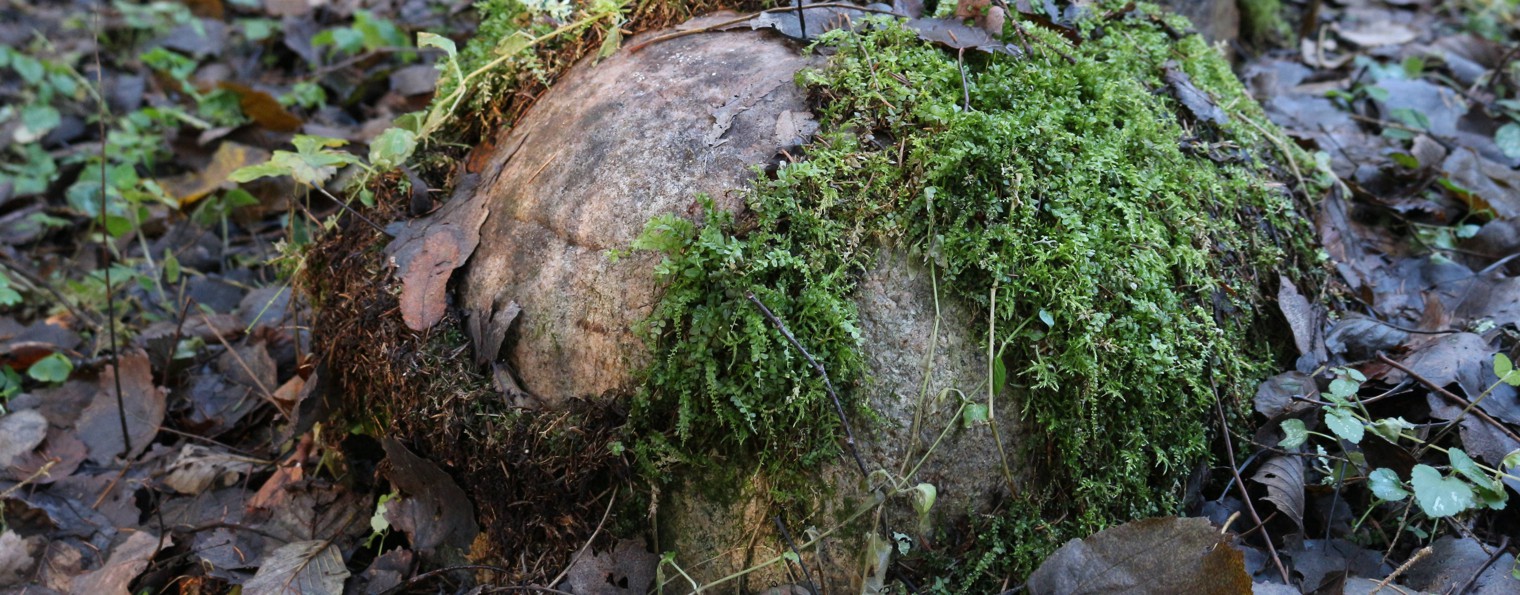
point(1283, 477)
point(433, 510)
point(956, 35)
point(99, 425)
point(300, 568)
point(629, 568)
point(198, 468)
point(20, 432)
point(262, 108)
point(189, 187)
point(426, 251)
point(17, 557)
point(1159, 555)
point(1485, 184)
point(127, 560)
point(1198, 103)
point(1303, 318)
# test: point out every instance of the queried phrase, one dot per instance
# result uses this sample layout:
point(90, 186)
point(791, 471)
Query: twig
point(802, 23)
point(1229, 448)
point(121, 406)
point(594, 532)
point(1449, 396)
point(1420, 555)
point(718, 26)
point(960, 63)
point(1499, 551)
point(849, 435)
point(787, 535)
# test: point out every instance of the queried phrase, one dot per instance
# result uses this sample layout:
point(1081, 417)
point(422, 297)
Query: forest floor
point(155, 431)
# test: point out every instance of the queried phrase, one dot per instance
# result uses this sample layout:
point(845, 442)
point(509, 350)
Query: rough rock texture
point(1216, 20)
point(606, 149)
point(641, 134)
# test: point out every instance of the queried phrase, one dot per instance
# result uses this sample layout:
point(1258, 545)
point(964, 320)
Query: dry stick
point(1499, 551)
point(787, 535)
point(598, 529)
point(121, 406)
point(802, 23)
point(1420, 555)
point(1229, 448)
point(1449, 396)
point(718, 26)
point(849, 435)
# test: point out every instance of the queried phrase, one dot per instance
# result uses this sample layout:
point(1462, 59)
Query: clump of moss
point(1123, 267)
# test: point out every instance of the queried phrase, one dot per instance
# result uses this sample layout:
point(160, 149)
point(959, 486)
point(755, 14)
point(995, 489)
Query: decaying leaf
point(262, 107)
point(1198, 103)
point(1283, 477)
point(1159, 555)
point(198, 468)
point(956, 35)
point(628, 568)
point(426, 251)
point(300, 568)
point(433, 510)
point(128, 559)
point(99, 425)
point(20, 432)
point(17, 557)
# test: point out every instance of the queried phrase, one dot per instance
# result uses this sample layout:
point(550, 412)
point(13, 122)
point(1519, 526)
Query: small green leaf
point(1385, 485)
point(392, 148)
point(171, 267)
point(1508, 139)
point(1344, 424)
point(1439, 496)
point(250, 173)
point(791, 556)
point(513, 44)
point(999, 374)
point(1391, 428)
point(924, 495)
point(1505, 370)
point(974, 414)
point(433, 40)
point(1046, 318)
point(1463, 464)
point(1511, 460)
point(1294, 434)
point(1405, 160)
point(612, 39)
point(1344, 387)
point(54, 369)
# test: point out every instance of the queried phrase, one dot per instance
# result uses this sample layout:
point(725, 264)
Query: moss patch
point(1124, 267)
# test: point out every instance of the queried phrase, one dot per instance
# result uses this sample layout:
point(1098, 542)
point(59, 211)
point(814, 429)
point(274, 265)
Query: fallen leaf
point(1454, 560)
point(198, 468)
point(433, 511)
point(1376, 34)
point(300, 568)
point(262, 107)
point(1274, 396)
point(1197, 102)
point(1158, 555)
point(17, 557)
point(388, 570)
point(1319, 559)
point(20, 432)
point(127, 560)
point(99, 425)
point(1283, 476)
point(628, 568)
point(956, 35)
point(189, 187)
point(1484, 184)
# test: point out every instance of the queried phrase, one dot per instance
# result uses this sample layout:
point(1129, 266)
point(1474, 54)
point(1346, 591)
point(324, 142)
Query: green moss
point(1261, 21)
point(1063, 188)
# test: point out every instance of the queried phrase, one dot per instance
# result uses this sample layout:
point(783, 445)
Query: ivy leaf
point(433, 40)
point(1508, 139)
point(1390, 428)
point(249, 173)
point(392, 148)
point(1505, 370)
point(1439, 496)
point(1385, 485)
point(1344, 387)
point(1046, 318)
point(1463, 464)
point(1294, 434)
point(1345, 425)
point(52, 369)
point(974, 414)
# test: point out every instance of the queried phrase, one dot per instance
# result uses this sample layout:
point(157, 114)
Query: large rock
point(645, 133)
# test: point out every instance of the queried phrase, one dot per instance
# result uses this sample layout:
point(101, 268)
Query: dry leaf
point(189, 187)
point(1283, 477)
point(262, 107)
point(300, 568)
point(1160, 555)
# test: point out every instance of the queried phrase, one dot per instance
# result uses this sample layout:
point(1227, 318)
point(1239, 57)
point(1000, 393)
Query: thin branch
point(1229, 448)
point(121, 406)
point(720, 25)
point(594, 532)
point(787, 535)
point(1440, 390)
point(1499, 551)
point(849, 435)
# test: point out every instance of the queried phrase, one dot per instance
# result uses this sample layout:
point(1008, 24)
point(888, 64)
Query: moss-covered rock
point(1030, 277)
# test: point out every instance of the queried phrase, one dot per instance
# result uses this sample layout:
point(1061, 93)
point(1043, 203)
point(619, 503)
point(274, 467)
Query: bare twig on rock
point(849, 435)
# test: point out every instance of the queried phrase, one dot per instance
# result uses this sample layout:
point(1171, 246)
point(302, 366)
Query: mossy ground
point(1122, 271)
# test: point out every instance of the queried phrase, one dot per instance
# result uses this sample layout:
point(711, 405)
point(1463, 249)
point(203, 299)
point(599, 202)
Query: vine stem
point(849, 435)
